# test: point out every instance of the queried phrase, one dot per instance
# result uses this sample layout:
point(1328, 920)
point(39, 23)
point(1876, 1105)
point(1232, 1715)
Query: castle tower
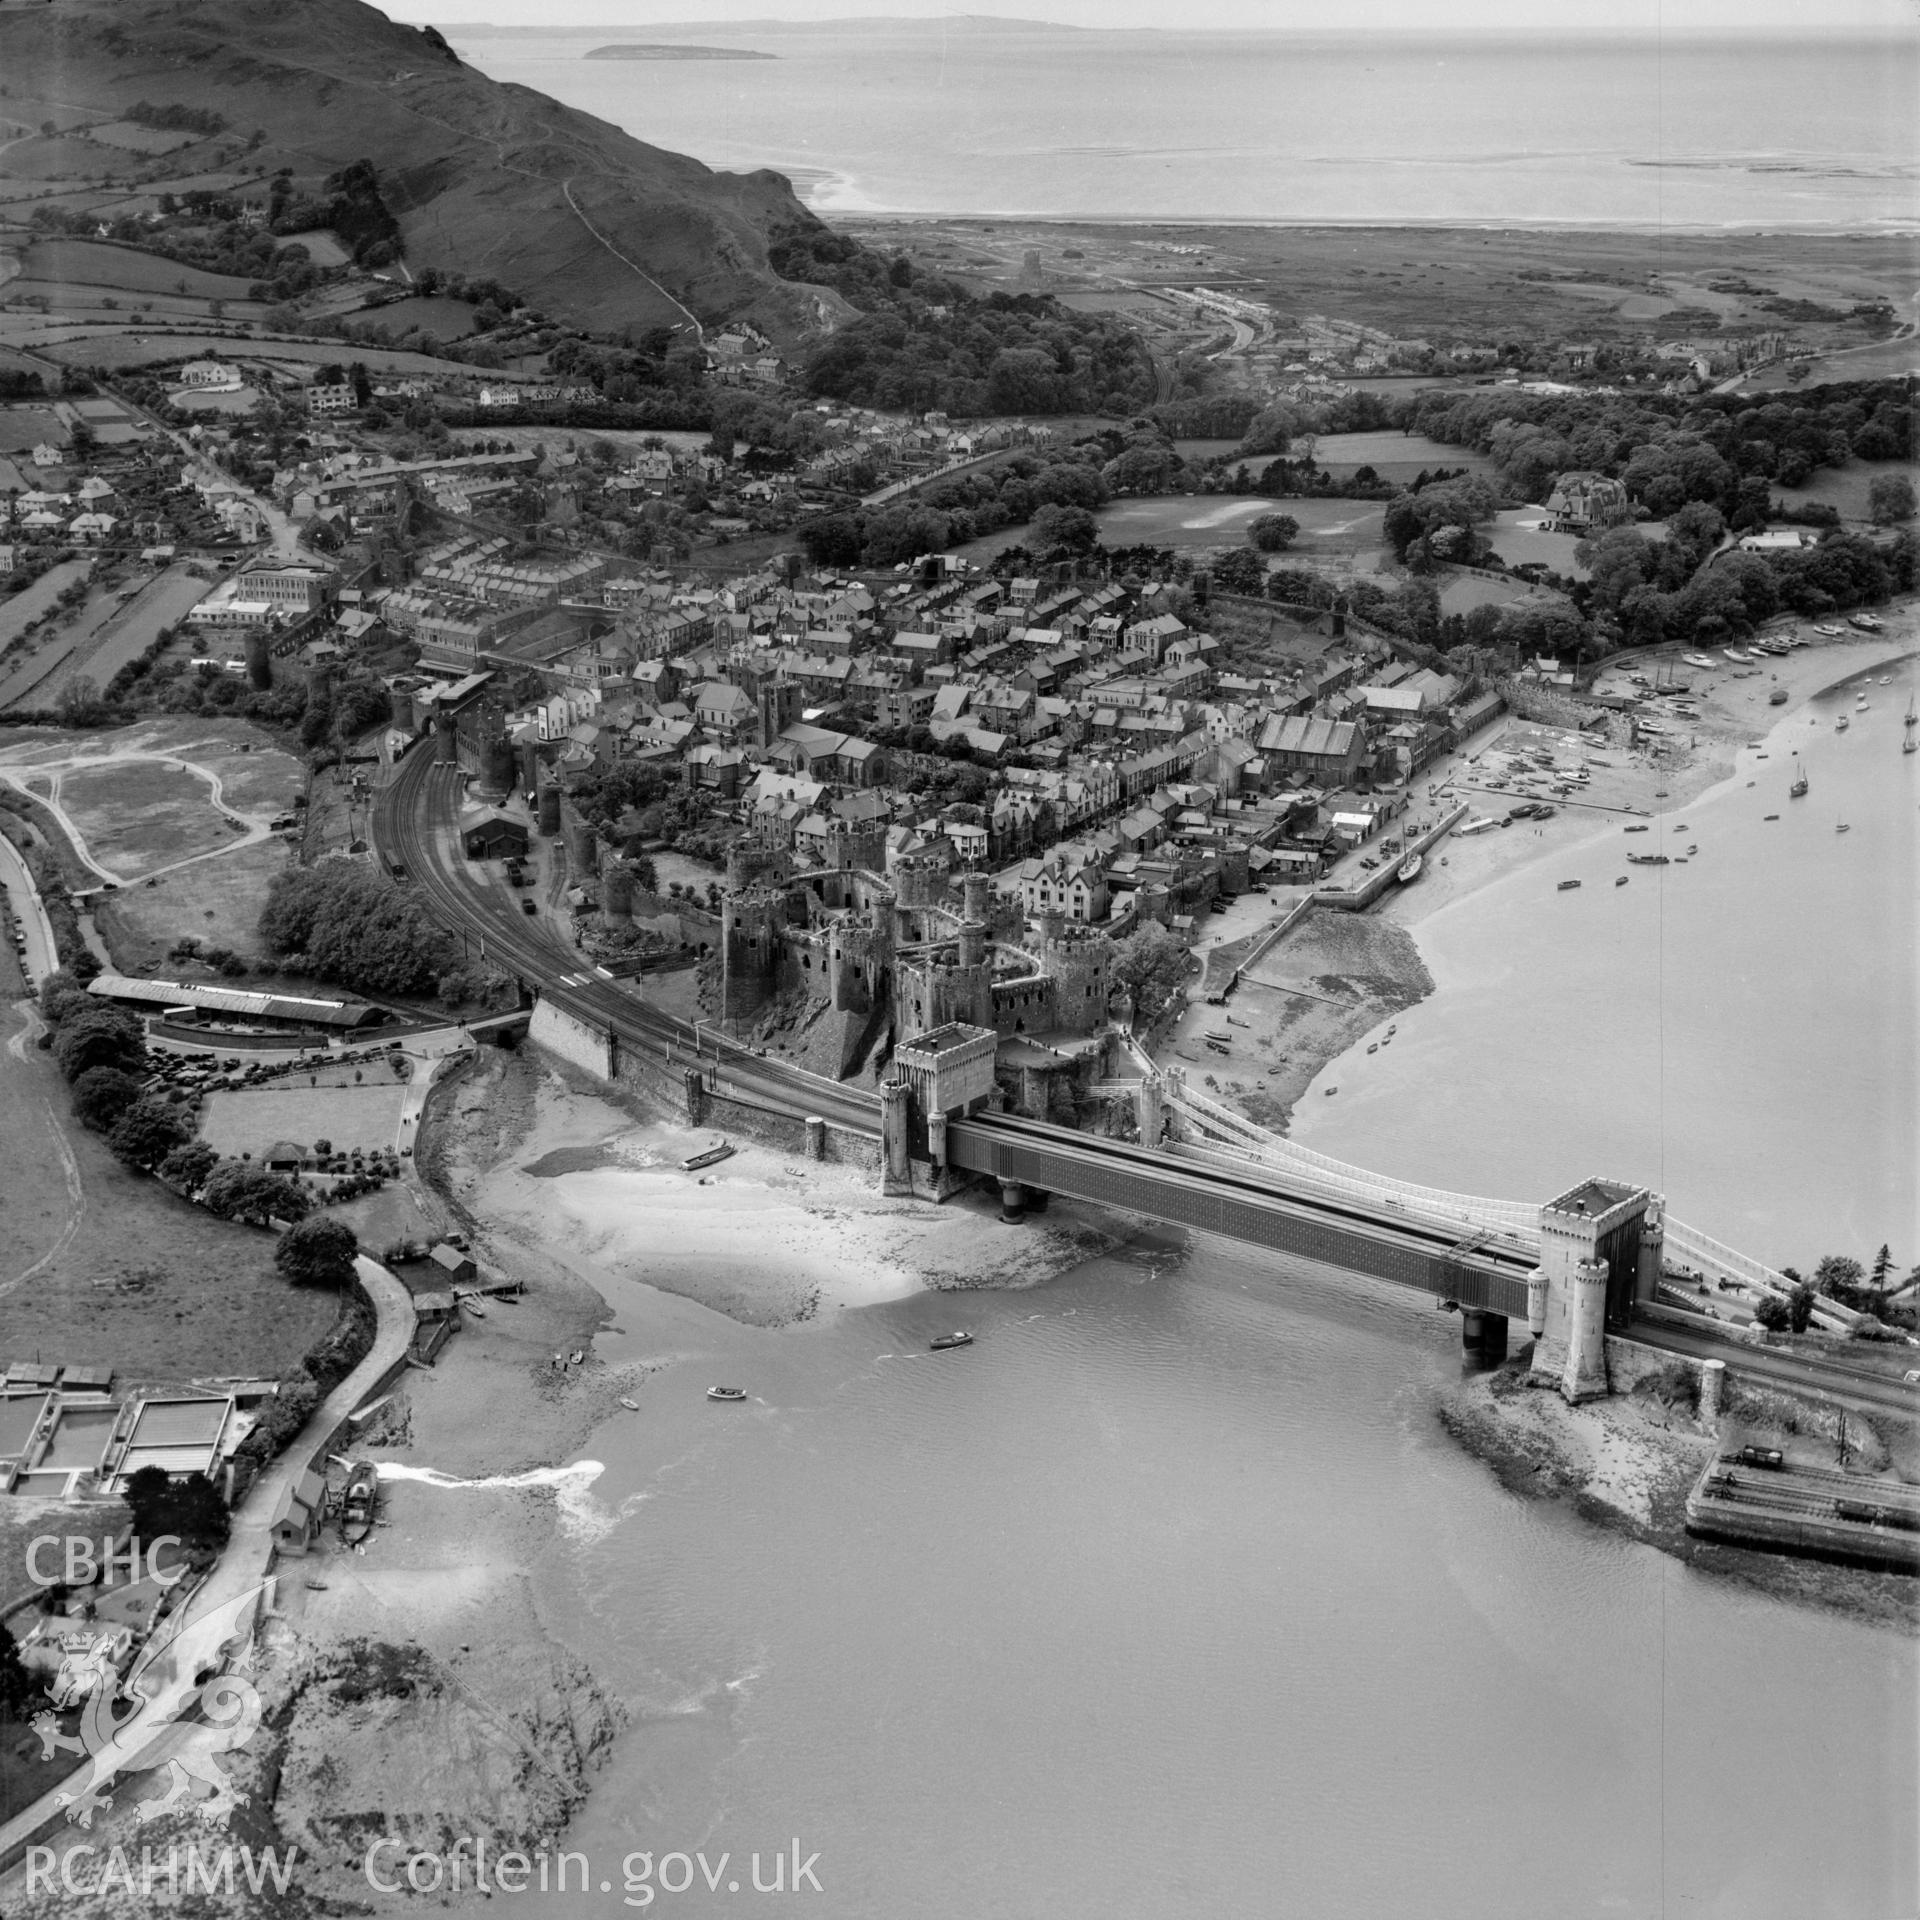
point(750, 924)
point(1590, 1251)
point(616, 896)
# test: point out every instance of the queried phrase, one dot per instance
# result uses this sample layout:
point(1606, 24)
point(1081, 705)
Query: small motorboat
point(1842, 826)
point(1840, 725)
point(1778, 697)
point(1567, 886)
point(1769, 816)
point(632, 1406)
point(1639, 829)
point(1622, 880)
point(711, 1157)
point(1375, 1048)
point(726, 1393)
point(1331, 1091)
point(948, 1341)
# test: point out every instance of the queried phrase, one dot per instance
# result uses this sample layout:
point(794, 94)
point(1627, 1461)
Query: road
point(41, 957)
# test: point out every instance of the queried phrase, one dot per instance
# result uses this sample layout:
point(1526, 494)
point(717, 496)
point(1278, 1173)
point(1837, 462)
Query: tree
point(101, 1095)
point(1240, 570)
point(189, 1509)
point(1882, 1276)
point(1064, 530)
point(97, 1035)
point(60, 995)
point(188, 1165)
point(1273, 532)
point(1149, 965)
point(237, 1190)
point(146, 1133)
point(1800, 1308)
point(317, 1252)
point(1838, 1277)
point(1890, 499)
point(18, 1687)
point(1773, 1314)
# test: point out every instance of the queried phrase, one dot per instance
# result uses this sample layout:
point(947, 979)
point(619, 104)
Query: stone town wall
point(573, 1040)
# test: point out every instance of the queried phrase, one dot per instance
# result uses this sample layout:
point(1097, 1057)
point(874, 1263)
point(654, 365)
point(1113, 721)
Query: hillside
point(486, 179)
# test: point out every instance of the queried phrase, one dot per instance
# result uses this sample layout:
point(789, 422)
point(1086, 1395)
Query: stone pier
point(1483, 1336)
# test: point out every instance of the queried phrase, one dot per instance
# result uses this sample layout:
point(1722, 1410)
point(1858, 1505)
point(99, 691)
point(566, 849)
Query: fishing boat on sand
point(711, 1157)
point(726, 1393)
point(948, 1341)
point(358, 1501)
point(1910, 744)
point(1409, 868)
point(1798, 791)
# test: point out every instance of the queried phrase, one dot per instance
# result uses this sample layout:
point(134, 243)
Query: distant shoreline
point(1411, 223)
point(677, 50)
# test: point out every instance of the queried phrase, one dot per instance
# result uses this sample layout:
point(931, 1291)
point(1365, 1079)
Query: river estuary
point(1171, 1597)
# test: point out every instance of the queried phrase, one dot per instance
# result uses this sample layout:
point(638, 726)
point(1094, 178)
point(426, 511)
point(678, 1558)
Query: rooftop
point(952, 1038)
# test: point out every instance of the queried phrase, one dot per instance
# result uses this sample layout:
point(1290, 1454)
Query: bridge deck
point(1242, 1207)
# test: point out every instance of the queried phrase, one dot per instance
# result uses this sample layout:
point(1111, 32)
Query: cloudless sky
point(1640, 17)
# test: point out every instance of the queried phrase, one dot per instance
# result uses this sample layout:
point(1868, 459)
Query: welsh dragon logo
point(181, 1667)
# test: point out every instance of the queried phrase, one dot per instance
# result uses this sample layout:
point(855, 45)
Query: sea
point(985, 118)
point(1171, 1596)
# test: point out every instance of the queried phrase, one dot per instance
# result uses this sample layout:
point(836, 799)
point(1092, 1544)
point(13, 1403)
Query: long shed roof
point(210, 999)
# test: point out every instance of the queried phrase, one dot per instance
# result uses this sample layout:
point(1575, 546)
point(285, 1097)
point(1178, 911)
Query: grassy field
point(128, 1275)
point(1846, 487)
point(139, 346)
point(353, 1118)
point(23, 428)
point(139, 815)
point(241, 400)
point(1215, 520)
point(132, 630)
point(23, 608)
point(138, 139)
point(1462, 592)
point(1393, 456)
point(443, 318)
point(96, 263)
point(218, 901)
